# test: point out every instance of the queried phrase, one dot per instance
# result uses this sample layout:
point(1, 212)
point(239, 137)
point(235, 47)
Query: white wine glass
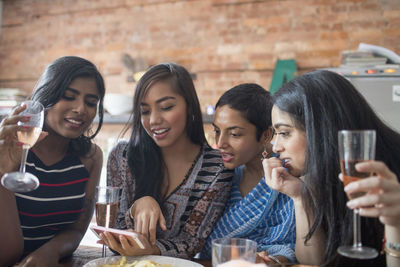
point(107, 198)
point(354, 147)
point(21, 181)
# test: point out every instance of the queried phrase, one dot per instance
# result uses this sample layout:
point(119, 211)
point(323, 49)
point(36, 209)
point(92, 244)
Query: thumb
point(163, 224)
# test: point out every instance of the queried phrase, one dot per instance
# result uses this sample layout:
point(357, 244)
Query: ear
point(267, 135)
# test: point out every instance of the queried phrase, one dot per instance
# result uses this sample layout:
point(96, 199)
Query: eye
point(144, 112)
point(167, 108)
point(283, 133)
point(68, 98)
point(91, 104)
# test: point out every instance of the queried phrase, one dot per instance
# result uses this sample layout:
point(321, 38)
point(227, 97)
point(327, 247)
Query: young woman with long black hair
point(48, 223)
point(307, 114)
point(167, 164)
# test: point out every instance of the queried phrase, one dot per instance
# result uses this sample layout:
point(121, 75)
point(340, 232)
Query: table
point(84, 254)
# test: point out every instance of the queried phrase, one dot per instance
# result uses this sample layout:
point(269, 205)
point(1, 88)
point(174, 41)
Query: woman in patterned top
point(48, 223)
point(243, 132)
point(167, 163)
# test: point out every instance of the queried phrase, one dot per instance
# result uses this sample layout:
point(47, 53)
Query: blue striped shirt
point(263, 215)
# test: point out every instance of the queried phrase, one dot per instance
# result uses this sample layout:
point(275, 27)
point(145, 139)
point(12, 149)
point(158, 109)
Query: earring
point(264, 154)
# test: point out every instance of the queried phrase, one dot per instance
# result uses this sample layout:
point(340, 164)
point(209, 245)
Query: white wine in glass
point(22, 181)
point(354, 147)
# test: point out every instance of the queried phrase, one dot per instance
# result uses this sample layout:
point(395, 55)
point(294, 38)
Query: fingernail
point(20, 143)
point(27, 117)
point(350, 204)
point(26, 126)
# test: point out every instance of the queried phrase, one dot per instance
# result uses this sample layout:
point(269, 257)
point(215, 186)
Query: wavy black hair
point(52, 85)
point(144, 156)
point(321, 103)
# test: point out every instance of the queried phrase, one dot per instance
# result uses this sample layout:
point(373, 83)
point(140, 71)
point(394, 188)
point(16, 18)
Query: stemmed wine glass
point(107, 198)
point(355, 147)
point(22, 181)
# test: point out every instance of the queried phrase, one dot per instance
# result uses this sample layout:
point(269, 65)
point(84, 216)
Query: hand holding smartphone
point(97, 230)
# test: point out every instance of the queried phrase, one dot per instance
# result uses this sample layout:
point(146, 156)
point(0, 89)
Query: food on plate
point(141, 263)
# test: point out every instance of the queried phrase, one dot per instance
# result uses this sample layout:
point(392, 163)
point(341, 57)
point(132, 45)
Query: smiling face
point(236, 138)
point(75, 110)
point(163, 115)
point(290, 143)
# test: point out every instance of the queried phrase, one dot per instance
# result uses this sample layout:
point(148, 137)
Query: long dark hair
point(144, 156)
point(254, 103)
point(52, 85)
point(321, 103)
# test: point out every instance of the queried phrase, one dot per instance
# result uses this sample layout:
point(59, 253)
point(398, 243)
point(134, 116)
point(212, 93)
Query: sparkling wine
point(106, 214)
point(350, 174)
point(29, 137)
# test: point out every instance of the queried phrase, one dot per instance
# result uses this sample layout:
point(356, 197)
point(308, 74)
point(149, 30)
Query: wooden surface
point(85, 254)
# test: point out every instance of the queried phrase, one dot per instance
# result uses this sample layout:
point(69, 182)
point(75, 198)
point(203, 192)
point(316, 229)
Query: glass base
point(358, 252)
point(20, 182)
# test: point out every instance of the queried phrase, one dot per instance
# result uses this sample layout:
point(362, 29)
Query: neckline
point(187, 175)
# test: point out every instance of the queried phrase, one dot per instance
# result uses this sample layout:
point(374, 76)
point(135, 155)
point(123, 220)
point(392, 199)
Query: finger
point(384, 211)
point(138, 224)
point(112, 242)
point(369, 200)
point(13, 120)
point(125, 243)
point(145, 227)
point(163, 223)
point(152, 230)
point(377, 167)
point(367, 184)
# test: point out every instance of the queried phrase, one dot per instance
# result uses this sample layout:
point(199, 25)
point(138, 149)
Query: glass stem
point(25, 149)
point(356, 229)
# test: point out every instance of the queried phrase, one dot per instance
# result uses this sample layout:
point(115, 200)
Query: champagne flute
point(355, 147)
point(22, 181)
point(107, 198)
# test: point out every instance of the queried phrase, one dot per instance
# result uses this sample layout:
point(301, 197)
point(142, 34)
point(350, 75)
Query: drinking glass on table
point(226, 249)
point(22, 181)
point(107, 198)
point(355, 147)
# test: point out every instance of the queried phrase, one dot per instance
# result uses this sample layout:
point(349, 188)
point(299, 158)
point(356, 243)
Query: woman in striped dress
point(52, 219)
point(242, 125)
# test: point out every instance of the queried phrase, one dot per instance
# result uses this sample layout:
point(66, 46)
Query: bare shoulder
point(94, 158)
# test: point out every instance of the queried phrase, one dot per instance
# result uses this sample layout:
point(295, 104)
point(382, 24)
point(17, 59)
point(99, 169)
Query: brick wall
point(224, 42)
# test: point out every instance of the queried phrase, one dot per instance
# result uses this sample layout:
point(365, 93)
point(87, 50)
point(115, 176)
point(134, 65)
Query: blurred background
point(221, 42)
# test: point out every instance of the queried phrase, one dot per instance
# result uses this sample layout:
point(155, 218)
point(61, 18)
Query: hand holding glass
point(355, 147)
point(107, 198)
point(226, 249)
point(22, 181)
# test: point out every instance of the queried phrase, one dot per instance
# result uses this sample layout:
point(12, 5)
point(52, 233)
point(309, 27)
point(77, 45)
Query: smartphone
point(97, 230)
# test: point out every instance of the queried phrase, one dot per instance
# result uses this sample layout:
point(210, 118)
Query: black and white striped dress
point(57, 203)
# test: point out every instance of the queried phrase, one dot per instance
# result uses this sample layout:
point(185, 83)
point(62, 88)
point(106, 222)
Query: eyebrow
point(277, 125)
point(160, 100)
point(77, 92)
point(229, 128)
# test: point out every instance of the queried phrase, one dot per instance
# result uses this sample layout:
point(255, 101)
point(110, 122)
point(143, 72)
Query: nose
point(221, 141)
point(80, 107)
point(277, 146)
point(155, 118)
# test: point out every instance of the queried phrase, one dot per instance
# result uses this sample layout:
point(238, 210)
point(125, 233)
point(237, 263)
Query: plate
point(176, 262)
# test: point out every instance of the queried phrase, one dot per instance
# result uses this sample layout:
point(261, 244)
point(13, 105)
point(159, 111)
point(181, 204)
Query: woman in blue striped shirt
point(243, 132)
point(49, 222)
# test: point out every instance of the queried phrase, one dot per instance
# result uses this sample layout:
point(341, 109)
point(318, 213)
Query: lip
point(226, 157)
point(285, 162)
point(161, 135)
point(74, 123)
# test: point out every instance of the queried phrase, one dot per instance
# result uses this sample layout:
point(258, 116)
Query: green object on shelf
point(284, 71)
